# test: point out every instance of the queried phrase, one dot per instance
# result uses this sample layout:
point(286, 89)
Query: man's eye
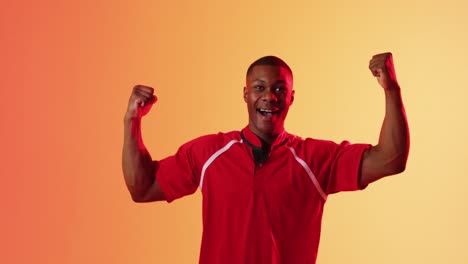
point(280, 89)
point(259, 88)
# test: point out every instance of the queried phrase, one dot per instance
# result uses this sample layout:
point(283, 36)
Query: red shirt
point(268, 212)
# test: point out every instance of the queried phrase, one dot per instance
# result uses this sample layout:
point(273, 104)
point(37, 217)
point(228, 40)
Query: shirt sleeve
point(342, 167)
point(177, 175)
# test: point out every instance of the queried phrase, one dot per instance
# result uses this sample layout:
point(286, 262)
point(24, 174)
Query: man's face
point(268, 94)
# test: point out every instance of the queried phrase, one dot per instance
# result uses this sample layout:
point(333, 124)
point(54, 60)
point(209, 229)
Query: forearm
point(137, 164)
point(394, 139)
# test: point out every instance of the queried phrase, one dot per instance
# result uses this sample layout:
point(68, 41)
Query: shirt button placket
point(259, 178)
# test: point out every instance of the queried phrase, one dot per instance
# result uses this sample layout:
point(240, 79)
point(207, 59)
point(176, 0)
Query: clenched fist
point(381, 66)
point(140, 102)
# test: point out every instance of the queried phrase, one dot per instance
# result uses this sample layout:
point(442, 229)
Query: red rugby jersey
point(266, 213)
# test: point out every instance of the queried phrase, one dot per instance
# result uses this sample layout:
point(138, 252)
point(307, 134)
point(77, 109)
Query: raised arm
point(138, 167)
point(389, 156)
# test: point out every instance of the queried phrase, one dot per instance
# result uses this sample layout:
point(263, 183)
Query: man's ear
point(245, 94)
point(292, 96)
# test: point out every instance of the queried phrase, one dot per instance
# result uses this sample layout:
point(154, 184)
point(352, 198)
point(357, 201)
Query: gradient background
point(67, 69)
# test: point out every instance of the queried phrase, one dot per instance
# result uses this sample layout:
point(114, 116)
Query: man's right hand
point(140, 102)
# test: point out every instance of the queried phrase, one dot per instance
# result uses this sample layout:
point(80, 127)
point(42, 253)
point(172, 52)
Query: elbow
point(140, 199)
point(137, 199)
point(399, 166)
point(399, 169)
point(402, 161)
point(138, 196)
point(396, 162)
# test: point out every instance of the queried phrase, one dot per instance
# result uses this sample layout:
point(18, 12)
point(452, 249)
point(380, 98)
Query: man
point(264, 189)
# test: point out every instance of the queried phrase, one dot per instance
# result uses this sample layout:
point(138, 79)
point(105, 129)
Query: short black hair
point(271, 61)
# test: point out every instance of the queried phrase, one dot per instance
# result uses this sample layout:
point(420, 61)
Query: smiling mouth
point(267, 112)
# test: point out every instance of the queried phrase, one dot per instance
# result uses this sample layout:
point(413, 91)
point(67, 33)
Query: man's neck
point(266, 138)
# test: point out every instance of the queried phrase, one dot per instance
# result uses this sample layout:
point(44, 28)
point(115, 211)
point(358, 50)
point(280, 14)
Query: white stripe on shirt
point(310, 173)
point(213, 157)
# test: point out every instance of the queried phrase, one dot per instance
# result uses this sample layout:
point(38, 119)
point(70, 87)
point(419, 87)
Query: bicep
point(154, 193)
point(375, 165)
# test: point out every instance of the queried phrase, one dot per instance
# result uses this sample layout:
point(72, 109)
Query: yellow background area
point(67, 69)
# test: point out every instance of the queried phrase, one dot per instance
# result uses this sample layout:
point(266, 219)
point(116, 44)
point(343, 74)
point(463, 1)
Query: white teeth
point(267, 112)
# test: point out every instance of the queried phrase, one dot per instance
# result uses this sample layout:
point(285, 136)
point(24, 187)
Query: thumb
point(135, 104)
point(142, 103)
point(377, 72)
point(138, 102)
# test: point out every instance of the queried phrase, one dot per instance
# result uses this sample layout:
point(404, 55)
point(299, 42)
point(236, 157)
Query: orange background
point(67, 69)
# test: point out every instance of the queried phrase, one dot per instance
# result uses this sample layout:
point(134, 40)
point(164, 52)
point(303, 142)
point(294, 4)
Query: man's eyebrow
point(262, 81)
point(280, 81)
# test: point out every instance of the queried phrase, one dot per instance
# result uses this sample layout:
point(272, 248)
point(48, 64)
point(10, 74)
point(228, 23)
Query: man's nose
point(269, 96)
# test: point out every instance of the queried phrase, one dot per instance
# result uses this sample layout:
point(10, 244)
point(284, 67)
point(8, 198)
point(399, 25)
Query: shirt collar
point(254, 140)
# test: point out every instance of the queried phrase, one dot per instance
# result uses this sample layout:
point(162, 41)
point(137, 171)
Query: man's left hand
point(381, 66)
